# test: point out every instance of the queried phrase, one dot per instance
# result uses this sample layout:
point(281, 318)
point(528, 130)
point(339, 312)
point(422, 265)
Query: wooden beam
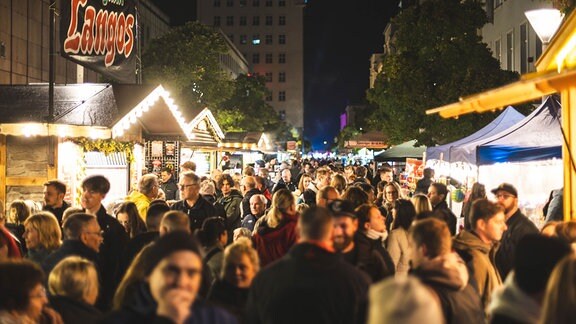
point(25, 181)
point(52, 170)
point(3, 168)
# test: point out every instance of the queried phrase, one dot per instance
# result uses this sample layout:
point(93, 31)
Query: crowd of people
point(321, 243)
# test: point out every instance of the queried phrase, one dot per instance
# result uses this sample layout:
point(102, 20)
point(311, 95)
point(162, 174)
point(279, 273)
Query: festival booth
point(556, 73)
point(245, 148)
point(362, 148)
point(96, 129)
point(406, 159)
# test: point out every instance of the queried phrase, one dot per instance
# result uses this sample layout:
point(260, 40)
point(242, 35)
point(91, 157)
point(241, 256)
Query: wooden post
point(52, 169)
point(568, 151)
point(3, 168)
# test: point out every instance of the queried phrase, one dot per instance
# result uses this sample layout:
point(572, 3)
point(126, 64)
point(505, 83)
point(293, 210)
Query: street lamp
point(545, 23)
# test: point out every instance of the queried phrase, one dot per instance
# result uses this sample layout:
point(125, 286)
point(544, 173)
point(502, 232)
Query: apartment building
point(509, 34)
point(269, 34)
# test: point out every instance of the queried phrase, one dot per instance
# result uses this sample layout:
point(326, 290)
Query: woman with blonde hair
point(240, 265)
point(560, 298)
point(339, 183)
point(73, 286)
point(42, 235)
point(422, 204)
point(276, 232)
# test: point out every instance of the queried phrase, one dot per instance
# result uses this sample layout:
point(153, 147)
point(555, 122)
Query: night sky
point(339, 37)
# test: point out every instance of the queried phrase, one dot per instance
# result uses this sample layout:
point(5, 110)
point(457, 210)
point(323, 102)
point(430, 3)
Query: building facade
point(269, 34)
point(25, 42)
point(509, 34)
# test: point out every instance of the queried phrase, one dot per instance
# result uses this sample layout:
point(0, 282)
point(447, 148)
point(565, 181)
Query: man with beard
point(54, 192)
point(355, 249)
point(518, 226)
point(437, 193)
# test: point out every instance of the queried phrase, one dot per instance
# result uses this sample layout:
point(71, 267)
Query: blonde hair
point(282, 200)
point(421, 203)
point(73, 277)
point(558, 306)
point(242, 246)
point(49, 233)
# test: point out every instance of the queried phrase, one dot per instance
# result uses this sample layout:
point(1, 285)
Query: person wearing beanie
point(172, 268)
point(413, 302)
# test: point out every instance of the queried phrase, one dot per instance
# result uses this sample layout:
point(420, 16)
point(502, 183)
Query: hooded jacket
point(511, 305)
point(481, 263)
point(273, 243)
point(448, 277)
point(231, 204)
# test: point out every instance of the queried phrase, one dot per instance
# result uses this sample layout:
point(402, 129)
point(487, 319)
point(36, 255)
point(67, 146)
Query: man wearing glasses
point(192, 203)
point(518, 226)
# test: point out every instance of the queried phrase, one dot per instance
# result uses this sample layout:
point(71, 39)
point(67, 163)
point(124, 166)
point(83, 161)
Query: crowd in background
point(316, 243)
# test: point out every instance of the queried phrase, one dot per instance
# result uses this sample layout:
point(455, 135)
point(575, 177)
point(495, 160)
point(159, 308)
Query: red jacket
point(274, 243)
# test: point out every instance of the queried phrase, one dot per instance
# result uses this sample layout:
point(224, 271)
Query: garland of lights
point(106, 146)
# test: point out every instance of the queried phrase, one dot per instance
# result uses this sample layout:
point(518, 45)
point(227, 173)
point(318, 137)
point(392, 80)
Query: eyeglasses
point(182, 187)
point(40, 294)
point(504, 196)
point(101, 233)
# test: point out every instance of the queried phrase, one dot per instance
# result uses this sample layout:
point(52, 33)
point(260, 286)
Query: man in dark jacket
point(311, 284)
point(54, 192)
point(249, 189)
point(168, 185)
point(437, 193)
point(192, 203)
point(83, 238)
point(94, 190)
point(518, 226)
point(356, 248)
point(444, 272)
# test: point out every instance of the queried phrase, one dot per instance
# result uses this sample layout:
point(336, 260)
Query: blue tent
point(536, 137)
point(507, 118)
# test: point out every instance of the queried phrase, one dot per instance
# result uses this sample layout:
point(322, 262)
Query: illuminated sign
point(100, 35)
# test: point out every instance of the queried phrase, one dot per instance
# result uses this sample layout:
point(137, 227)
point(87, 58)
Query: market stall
point(556, 73)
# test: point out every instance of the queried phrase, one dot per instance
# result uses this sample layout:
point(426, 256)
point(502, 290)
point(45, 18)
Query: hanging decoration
point(106, 146)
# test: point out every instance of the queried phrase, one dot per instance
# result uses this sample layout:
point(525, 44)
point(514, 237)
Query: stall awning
point(556, 70)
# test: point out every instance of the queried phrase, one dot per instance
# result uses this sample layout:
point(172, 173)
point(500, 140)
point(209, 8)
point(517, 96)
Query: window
point(216, 3)
point(282, 58)
point(229, 20)
point(282, 20)
point(498, 50)
point(510, 51)
point(281, 95)
point(256, 21)
point(229, 3)
point(255, 3)
point(269, 21)
point(269, 96)
point(538, 47)
point(282, 77)
point(217, 21)
point(243, 39)
point(524, 48)
point(268, 40)
point(268, 77)
point(269, 58)
point(243, 3)
point(282, 114)
point(242, 20)
point(256, 58)
point(256, 39)
point(282, 39)
point(268, 3)
point(281, 3)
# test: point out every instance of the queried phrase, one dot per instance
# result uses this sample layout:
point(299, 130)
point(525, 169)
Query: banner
point(100, 35)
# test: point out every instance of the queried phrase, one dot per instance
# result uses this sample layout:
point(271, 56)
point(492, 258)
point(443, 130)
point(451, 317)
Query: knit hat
point(341, 207)
point(403, 300)
point(172, 242)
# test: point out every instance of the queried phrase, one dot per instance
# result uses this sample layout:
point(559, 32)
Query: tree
point(247, 109)
point(439, 57)
point(186, 61)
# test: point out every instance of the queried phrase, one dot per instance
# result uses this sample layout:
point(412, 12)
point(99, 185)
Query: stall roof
point(401, 152)
point(104, 105)
point(507, 118)
point(371, 140)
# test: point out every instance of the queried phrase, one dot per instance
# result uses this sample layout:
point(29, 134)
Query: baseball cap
point(506, 187)
point(341, 207)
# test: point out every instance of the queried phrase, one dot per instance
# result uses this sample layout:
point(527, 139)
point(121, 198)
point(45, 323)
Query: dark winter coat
point(170, 189)
point(365, 256)
point(229, 297)
point(308, 285)
point(231, 204)
point(201, 210)
point(246, 200)
point(73, 311)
